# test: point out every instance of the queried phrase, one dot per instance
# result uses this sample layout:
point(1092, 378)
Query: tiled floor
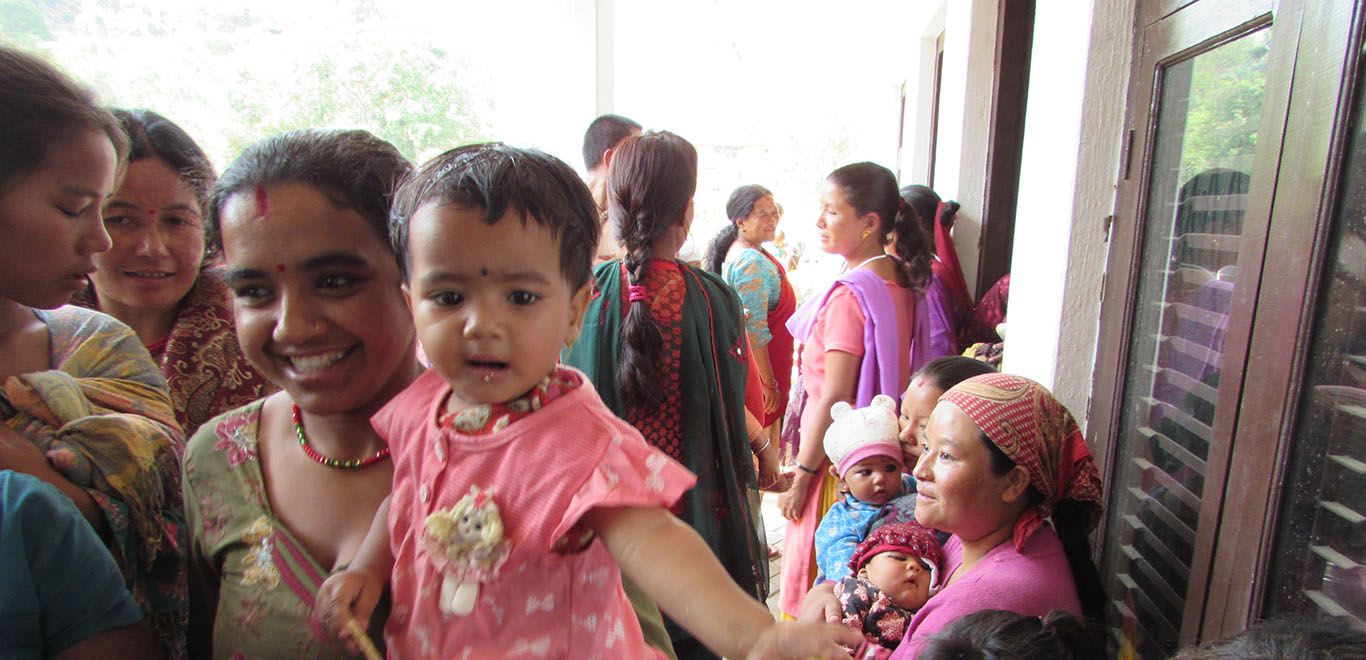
point(774, 527)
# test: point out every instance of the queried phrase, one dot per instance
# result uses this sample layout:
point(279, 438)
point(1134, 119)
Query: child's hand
point(350, 594)
point(804, 640)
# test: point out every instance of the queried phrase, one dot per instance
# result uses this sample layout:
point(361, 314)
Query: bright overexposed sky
point(771, 92)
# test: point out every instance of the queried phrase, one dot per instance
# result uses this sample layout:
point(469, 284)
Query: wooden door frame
point(1172, 31)
point(1326, 74)
point(934, 106)
point(1014, 43)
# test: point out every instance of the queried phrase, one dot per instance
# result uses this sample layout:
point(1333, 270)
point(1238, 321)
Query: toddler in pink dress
point(519, 498)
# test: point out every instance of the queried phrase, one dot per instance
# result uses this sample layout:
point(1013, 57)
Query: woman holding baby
point(1005, 471)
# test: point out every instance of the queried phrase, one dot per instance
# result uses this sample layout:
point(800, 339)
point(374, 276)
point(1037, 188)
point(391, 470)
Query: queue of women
point(228, 446)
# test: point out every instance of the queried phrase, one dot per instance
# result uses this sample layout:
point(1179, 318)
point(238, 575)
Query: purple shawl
point(943, 327)
point(878, 372)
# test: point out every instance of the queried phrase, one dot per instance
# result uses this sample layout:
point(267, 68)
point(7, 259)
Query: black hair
point(1285, 637)
point(738, 207)
point(947, 211)
point(945, 372)
point(353, 168)
point(604, 133)
point(923, 201)
point(871, 188)
point(1002, 635)
point(1072, 522)
point(151, 135)
point(928, 209)
point(499, 179)
point(40, 106)
point(652, 181)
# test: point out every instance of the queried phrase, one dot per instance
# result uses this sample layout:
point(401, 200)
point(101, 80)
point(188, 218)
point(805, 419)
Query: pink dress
point(839, 327)
point(544, 472)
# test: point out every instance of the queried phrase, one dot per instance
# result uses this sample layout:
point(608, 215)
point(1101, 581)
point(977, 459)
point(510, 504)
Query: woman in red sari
point(947, 292)
point(737, 254)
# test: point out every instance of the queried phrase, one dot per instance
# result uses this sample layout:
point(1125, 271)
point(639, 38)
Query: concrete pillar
point(1078, 82)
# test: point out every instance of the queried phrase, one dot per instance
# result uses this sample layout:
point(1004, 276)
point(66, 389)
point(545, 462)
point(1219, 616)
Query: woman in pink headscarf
point(1005, 470)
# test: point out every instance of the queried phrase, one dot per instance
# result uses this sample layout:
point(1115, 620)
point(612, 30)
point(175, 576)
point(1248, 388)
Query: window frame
point(1306, 202)
point(1169, 31)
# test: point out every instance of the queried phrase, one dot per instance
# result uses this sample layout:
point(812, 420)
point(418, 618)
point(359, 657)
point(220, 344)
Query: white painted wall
point(604, 57)
point(1073, 135)
point(918, 60)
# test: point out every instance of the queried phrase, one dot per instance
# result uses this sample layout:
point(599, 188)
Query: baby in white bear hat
point(865, 456)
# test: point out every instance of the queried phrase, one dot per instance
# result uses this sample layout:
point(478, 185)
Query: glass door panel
point(1319, 558)
point(1208, 112)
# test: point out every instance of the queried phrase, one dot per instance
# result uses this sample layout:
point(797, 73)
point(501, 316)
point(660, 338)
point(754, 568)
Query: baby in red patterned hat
point(895, 570)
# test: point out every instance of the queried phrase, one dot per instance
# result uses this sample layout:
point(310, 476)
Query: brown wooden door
point(1198, 293)
point(1297, 543)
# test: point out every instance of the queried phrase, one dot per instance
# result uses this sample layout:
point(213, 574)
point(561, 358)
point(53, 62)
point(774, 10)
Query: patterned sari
point(201, 360)
point(254, 583)
point(769, 301)
point(701, 421)
point(102, 417)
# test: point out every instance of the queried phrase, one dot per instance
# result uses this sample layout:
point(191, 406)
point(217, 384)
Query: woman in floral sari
point(280, 493)
point(82, 405)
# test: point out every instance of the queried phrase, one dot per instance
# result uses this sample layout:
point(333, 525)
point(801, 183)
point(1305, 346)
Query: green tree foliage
point(1227, 86)
point(410, 96)
point(236, 71)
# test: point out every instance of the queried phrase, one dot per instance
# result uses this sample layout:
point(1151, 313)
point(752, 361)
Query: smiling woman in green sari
point(280, 493)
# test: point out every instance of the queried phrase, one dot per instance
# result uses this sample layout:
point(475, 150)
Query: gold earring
point(867, 233)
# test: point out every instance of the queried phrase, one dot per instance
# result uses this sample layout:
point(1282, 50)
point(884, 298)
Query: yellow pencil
point(358, 633)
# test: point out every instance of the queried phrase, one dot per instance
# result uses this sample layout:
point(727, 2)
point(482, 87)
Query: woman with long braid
point(664, 344)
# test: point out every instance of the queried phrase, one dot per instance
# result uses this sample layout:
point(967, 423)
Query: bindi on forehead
point(483, 272)
point(280, 268)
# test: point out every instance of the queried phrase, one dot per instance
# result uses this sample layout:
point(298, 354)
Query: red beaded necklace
point(352, 464)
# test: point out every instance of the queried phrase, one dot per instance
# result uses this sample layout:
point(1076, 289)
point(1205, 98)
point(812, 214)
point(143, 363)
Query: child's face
point(490, 303)
point(902, 576)
point(916, 405)
point(875, 480)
